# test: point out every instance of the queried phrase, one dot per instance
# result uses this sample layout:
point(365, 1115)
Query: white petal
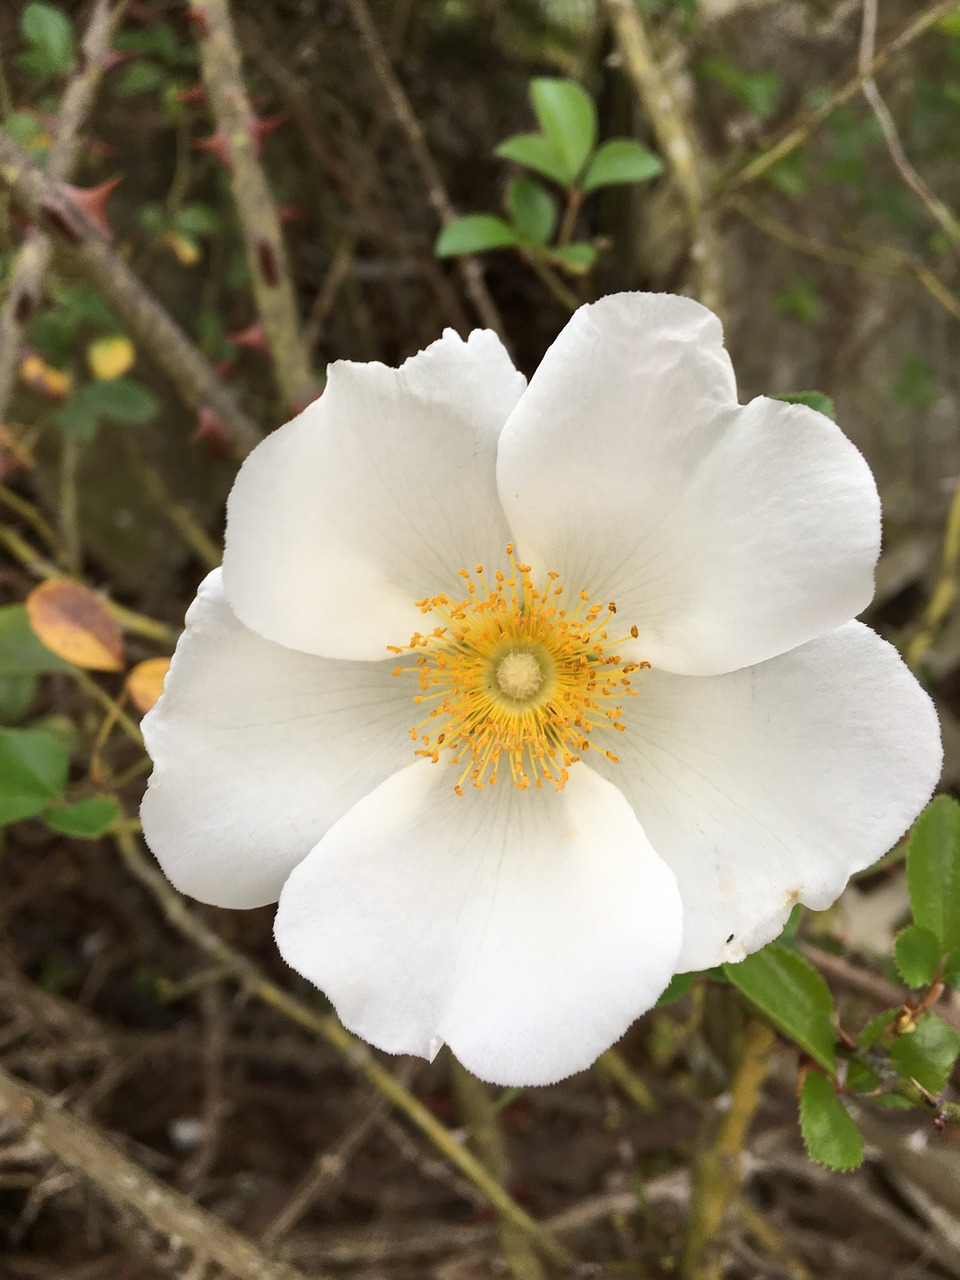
point(726, 534)
point(525, 929)
point(372, 498)
point(772, 785)
point(257, 750)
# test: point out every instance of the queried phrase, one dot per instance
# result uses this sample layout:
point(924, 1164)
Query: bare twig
point(440, 202)
point(26, 276)
point(357, 1055)
point(175, 1216)
point(797, 135)
point(675, 141)
point(717, 1175)
point(49, 204)
point(932, 202)
point(259, 219)
point(474, 1102)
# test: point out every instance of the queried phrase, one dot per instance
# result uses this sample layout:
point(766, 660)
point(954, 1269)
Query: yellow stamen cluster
point(507, 671)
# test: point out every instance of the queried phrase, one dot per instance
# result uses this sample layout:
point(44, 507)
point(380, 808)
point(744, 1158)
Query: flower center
point(508, 672)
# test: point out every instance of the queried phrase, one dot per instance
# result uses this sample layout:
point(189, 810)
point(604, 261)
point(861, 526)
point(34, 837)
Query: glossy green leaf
point(48, 32)
point(568, 118)
point(533, 210)
point(928, 1053)
point(951, 968)
point(933, 870)
point(576, 258)
point(813, 400)
point(620, 160)
point(86, 819)
point(917, 952)
point(830, 1133)
point(473, 234)
point(21, 653)
point(33, 771)
point(793, 995)
point(535, 151)
point(122, 400)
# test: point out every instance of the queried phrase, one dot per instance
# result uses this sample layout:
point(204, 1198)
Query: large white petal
point(772, 785)
point(257, 749)
point(372, 498)
point(726, 534)
point(527, 930)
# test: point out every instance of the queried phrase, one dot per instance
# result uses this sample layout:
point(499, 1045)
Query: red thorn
point(113, 57)
point(216, 144)
point(9, 463)
point(211, 432)
point(254, 337)
point(264, 126)
point(199, 19)
point(193, 93)
point(139, 12)
point(93, 201)
point(290, 213)
point(223, 367)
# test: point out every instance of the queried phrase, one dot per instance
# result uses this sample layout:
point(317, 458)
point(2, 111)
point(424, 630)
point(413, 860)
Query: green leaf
point(33, 771)
point(801, 300)
point(830, 1133)
point(16, 695)
point(875, 1028)
point(917, 952)
point(535, 151)
point(758, 91)
point(21, 653)
point(50, 36)
point(577, 258)
point(861, 1078)
point(473, 234)
point(196, 220)
point(620, 160)
point(86, 819)
point(793, 995)
point(928, 1053)
point(951, 968)
point(568, 118)
point(121, 400)
point(142, 77)
point(23, 127)
point(78, 417)
point(533, 210)
point(933, 870)
point(677, 988)
point(813, 400)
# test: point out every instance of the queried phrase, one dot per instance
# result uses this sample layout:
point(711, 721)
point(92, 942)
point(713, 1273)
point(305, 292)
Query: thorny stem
point(46, 202)
point(256, 208)
point(26, 276)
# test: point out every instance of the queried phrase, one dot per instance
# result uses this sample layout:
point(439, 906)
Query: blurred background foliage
point(296, 181)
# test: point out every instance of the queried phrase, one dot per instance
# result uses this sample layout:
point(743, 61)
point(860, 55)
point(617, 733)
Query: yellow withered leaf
point(183, 248)
point(43, 377)
point(73, 622)
point(111, 357)
point(145, 682)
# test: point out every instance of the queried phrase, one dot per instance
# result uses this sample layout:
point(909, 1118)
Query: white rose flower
point(522, 699)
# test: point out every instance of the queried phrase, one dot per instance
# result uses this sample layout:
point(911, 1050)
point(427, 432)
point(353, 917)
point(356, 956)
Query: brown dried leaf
point(73, 622)
point(145, 682)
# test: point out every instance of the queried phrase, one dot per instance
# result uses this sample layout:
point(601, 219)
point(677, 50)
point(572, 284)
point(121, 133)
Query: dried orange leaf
point(145, 682)
point(73, 622)
point(110, 358)
point(44, 378)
